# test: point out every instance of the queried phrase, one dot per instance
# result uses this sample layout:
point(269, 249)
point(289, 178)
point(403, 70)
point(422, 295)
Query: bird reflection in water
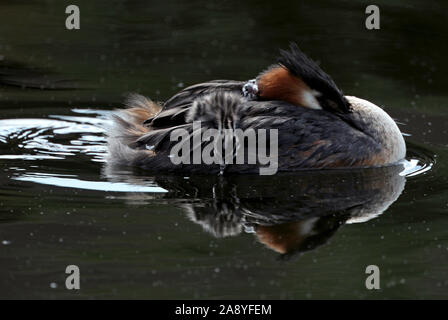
point(288, 213)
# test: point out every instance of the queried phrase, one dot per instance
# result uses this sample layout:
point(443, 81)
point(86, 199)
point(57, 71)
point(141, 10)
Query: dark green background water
point(56, 203)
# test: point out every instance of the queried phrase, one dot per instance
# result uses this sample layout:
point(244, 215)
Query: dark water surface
point(308, 235)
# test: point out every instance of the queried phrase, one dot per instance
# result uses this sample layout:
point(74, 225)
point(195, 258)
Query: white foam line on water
point(92, 111)
point(422, 170)
point(413, 167)
point(89, 185)
point(29, 157)
point(81, 120)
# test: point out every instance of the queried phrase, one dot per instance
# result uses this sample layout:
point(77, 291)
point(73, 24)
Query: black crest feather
point(306, 69)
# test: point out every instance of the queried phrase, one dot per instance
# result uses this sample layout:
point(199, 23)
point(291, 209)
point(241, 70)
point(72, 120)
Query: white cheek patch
point(309, 99)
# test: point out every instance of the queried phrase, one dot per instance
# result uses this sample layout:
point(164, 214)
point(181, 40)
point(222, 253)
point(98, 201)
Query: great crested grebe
point(318, 127)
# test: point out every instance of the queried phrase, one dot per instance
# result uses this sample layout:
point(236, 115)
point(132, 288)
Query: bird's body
point(318, 127)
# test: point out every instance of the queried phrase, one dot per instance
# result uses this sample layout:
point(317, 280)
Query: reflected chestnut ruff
point(288, 213)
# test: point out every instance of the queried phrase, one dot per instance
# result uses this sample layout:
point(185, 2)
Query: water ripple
point(80, 137)
point(57, 138)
